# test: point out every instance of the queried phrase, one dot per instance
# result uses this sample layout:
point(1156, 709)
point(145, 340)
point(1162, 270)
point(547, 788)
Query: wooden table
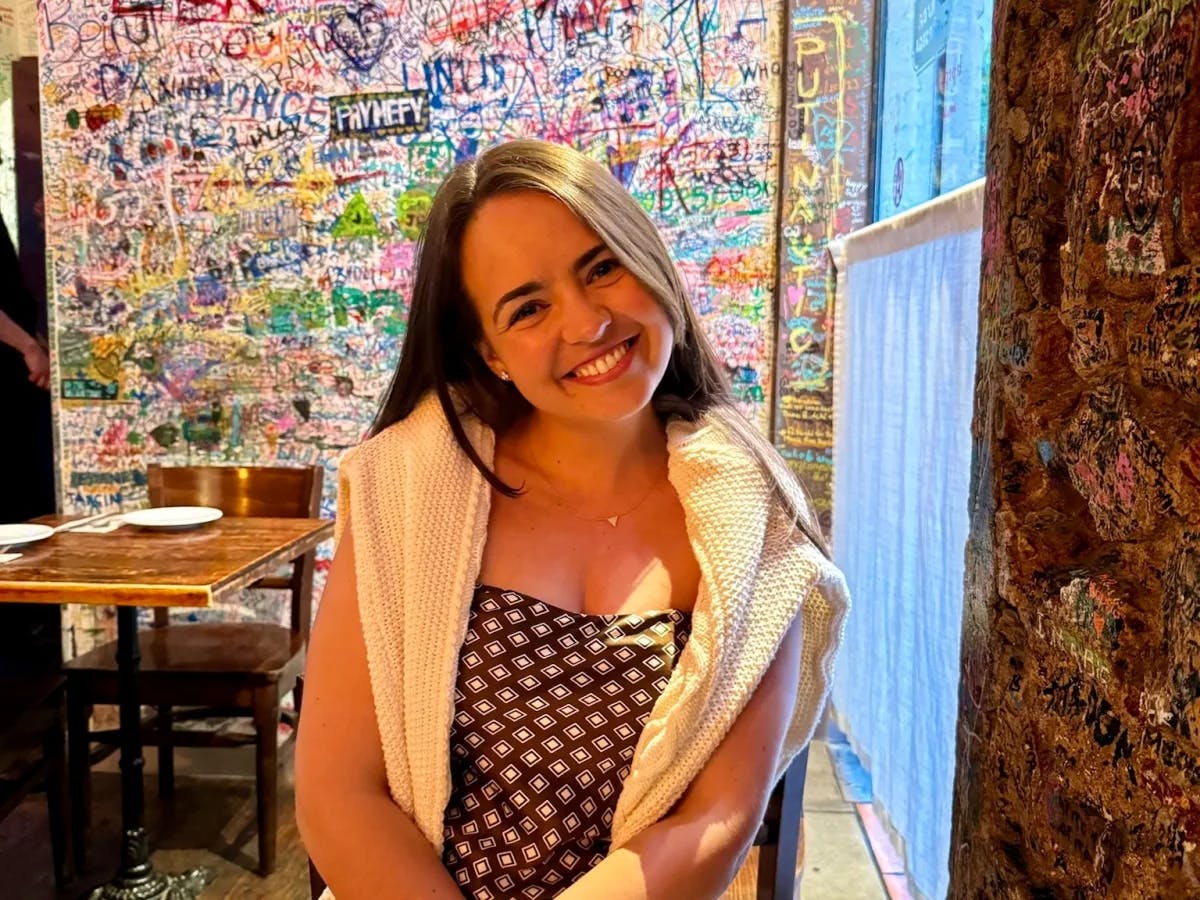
point(129, 568)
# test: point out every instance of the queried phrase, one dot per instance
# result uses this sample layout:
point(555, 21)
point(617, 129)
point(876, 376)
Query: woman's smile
point(605, 367)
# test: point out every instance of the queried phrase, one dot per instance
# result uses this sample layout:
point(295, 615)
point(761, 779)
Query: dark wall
point(1079, 742)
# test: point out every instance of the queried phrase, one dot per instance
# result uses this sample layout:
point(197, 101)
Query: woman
point(576, 624)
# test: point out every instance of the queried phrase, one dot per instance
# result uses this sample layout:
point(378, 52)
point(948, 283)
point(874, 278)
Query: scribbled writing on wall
point(824, 196)
point(236, 187)
point(378, 115)
point(1086, 429)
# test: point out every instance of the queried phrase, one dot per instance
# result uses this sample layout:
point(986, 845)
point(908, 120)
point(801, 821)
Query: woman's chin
point(615, 409)
point(612, 402)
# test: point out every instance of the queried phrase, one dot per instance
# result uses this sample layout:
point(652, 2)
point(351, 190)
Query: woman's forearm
point(363, 844)
point(675, 857)
point(366, 847)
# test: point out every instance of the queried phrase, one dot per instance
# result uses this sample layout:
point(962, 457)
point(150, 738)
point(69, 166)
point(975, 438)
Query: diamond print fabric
point(549, 705)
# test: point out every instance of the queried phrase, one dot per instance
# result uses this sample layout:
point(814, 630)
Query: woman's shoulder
point(722, 458)
point(714, 445)
point(420, 432)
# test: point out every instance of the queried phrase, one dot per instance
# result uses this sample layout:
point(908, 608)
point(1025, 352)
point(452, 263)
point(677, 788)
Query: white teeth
point(604, 363)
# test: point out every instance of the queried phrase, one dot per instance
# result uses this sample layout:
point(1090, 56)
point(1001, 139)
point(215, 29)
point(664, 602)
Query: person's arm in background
point(36, 359)
point(696, 850)
point(34, 351)
point(363, 844)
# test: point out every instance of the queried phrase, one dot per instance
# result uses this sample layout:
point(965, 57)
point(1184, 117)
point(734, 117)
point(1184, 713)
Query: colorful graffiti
point(1078, 750)
point(824, 195)
point(234, 189)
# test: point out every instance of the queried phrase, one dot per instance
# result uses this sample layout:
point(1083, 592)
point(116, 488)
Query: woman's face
point(579, 335)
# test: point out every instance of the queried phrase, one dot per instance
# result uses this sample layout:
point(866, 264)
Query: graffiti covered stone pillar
point(1079, 737)
point(824, 195)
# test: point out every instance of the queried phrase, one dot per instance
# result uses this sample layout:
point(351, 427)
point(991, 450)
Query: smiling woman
point(577, 318)
point(579, 619)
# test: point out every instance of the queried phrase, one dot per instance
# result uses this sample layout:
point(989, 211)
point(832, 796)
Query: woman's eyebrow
point(587, 257)
point(521, 290)
point(530, 286)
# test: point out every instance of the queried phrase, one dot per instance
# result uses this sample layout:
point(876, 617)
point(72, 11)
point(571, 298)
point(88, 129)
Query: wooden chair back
point(33, 752)
point(283, 492)
point(780, 835)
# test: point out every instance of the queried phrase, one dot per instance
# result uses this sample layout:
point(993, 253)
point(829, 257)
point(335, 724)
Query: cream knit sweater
point(419, 511)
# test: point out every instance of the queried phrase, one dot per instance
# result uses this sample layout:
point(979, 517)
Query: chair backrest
point(316, 884)
point(283, 492)
point(780, 835)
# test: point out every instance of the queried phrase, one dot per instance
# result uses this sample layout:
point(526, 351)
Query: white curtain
point(907, 310)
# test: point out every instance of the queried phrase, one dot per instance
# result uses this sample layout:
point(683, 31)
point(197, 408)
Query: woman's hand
point(37, 361)
point(697, 849)
point(32, 350)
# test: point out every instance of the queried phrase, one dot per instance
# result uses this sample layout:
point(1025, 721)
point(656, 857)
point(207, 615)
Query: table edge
point(164, 595)
point(66, 592)
point(263, 565)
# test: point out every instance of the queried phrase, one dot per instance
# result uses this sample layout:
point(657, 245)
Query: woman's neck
point(583, 460)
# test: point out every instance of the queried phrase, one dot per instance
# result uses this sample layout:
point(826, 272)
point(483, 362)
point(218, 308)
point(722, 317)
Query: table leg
point(137, 879)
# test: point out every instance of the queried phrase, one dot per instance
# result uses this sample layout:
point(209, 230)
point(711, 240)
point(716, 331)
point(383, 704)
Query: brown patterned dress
point(549, 706)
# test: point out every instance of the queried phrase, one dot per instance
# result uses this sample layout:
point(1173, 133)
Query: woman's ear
point(491, 360)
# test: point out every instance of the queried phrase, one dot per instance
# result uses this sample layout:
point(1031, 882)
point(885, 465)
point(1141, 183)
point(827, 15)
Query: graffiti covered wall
point(1079, 735)
point(234, 189)
point(824, 196)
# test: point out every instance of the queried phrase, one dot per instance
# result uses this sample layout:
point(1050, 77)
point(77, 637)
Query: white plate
point(172, 517)
point(19, 535)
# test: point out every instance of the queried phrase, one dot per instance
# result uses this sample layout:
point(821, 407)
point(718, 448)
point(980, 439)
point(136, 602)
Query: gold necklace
point(611, 520)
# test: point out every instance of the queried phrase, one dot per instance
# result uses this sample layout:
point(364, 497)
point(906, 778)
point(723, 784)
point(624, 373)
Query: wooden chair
point(33, 719)
point(32, 752)
point(223, 669)
point(316, 884)
point(778, 837)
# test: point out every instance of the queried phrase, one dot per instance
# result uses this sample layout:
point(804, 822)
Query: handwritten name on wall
point(378, 115)
point(824, 196)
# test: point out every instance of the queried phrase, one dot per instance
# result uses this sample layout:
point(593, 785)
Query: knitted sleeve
point(823, 616)
point(759, 574)
point(370, 502)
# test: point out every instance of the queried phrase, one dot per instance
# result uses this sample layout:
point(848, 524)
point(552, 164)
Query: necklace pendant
point(612, 520)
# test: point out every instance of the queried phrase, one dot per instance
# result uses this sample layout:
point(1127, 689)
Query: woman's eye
point(524, 311)
point(603, 269)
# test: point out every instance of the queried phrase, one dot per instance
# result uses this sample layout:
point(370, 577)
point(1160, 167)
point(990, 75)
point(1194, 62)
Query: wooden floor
point(209, 822)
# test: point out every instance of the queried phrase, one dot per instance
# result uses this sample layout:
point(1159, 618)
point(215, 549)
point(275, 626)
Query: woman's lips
point(605, 366)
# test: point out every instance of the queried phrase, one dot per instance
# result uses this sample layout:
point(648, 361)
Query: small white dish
point(20, 534)
point(172, 518)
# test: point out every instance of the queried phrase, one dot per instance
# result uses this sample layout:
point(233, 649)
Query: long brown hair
point(439, 352)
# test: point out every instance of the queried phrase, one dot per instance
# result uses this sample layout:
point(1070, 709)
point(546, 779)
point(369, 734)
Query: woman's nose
point(584, 320)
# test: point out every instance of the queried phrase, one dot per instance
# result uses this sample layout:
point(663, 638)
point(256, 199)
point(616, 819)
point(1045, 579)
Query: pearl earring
point(504, 376)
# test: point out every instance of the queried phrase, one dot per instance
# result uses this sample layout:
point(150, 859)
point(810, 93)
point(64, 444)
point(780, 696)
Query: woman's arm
point(362, 843)
point(696, 850)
